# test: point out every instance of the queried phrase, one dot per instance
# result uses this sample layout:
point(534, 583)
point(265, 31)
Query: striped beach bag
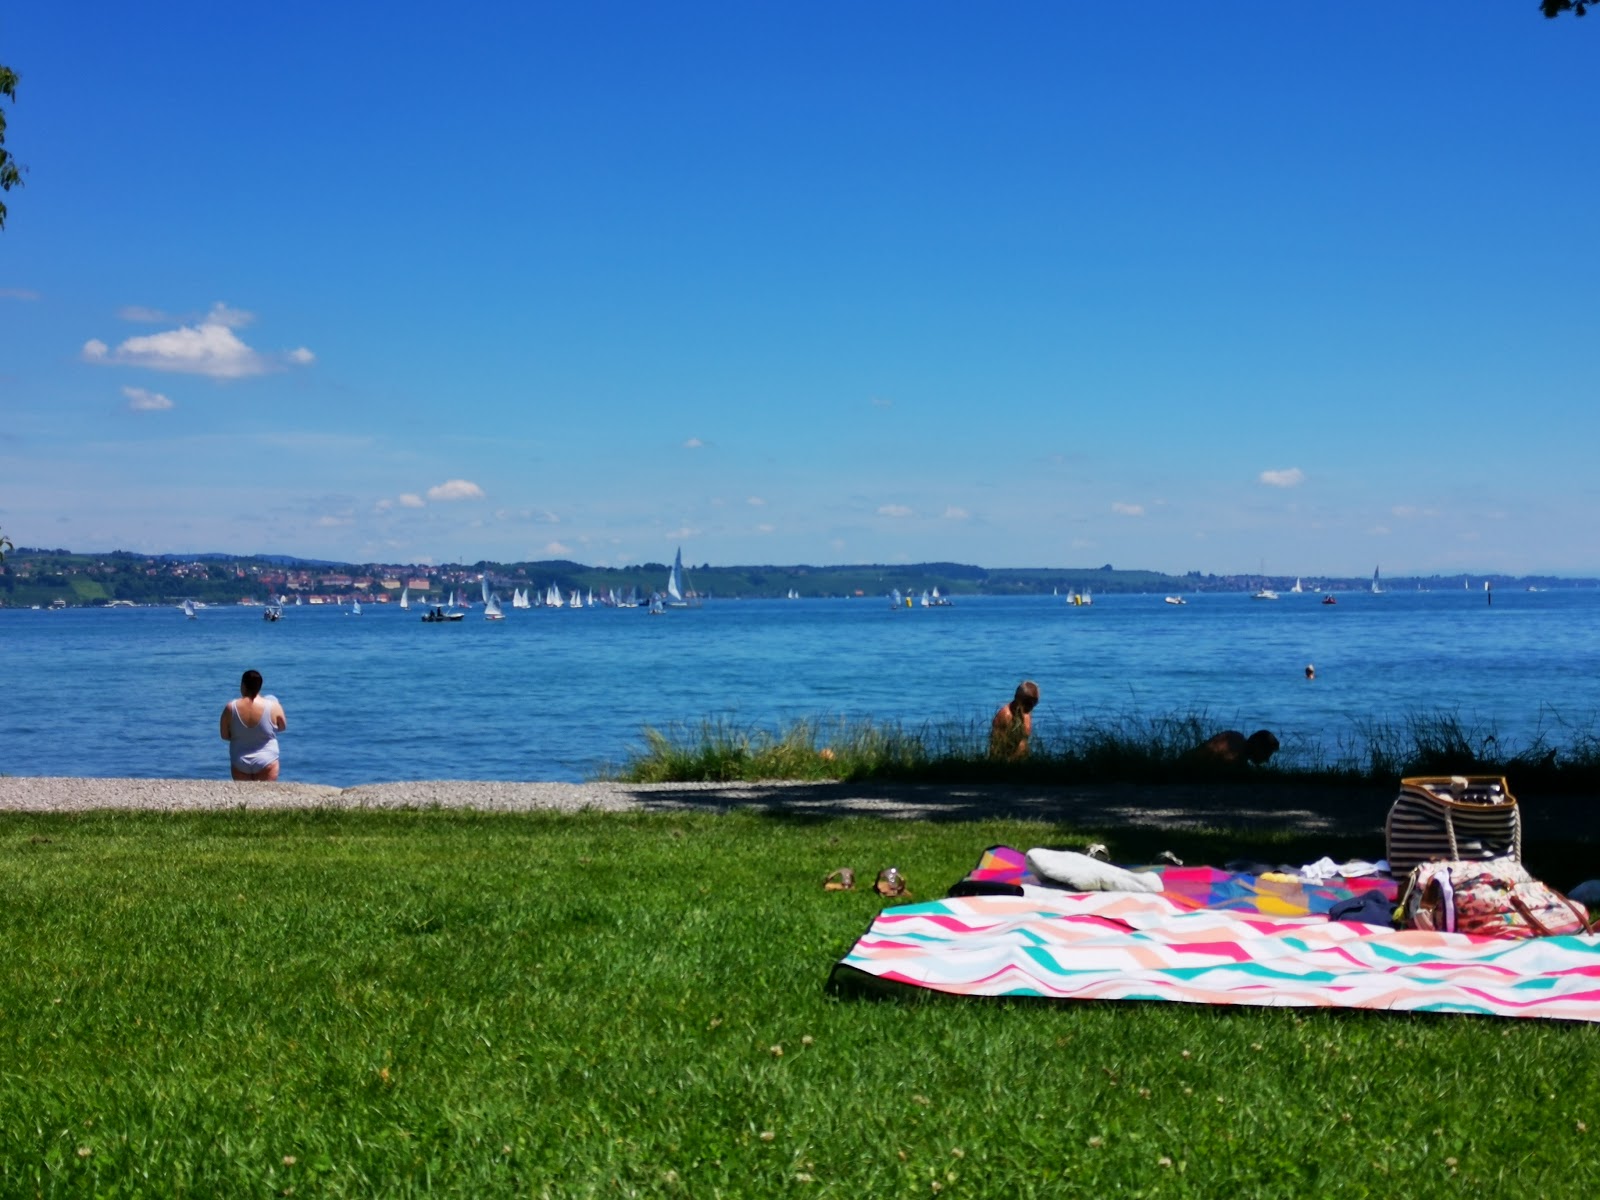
point(1453, 817)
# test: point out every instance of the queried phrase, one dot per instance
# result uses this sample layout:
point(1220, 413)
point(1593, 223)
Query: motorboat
point(436, 614)
point(1265, 594)
point(1176, 600)
point(1329, 600)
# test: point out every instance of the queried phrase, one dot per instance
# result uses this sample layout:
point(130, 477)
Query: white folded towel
point(1084, 874)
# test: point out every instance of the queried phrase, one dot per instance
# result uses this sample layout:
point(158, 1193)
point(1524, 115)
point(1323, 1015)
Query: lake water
point(557, 694)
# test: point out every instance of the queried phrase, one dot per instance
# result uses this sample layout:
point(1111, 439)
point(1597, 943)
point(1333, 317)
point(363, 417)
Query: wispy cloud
point(693, 443)
point(682, 534)
point(1288, 478)
point(896, 511)
point(18, 294)
point(140, 315)
point(765, 527)
point(411, 500)
point(559, 549)
point(140, 400)
point(1127, 510)
point(882, 402)
point(209, 347)
point(956, 513)
point(1408, 512)
point(456, 489)
point(756, 502)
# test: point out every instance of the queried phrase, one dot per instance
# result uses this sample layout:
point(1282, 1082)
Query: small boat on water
point(491, 609)
point(1265, 594)
point(1329, 600)
point(405, 598)
point(437, 614)
point(1176, 600)
point(188, 610)
point(273, 612)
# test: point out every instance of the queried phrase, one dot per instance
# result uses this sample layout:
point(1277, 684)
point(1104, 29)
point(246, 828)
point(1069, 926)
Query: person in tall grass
point(251, 725)
point(1013, 723)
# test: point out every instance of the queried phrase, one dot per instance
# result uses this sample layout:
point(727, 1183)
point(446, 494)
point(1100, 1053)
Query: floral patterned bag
point(1491, 898)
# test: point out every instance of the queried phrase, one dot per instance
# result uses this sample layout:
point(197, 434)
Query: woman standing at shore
point(1013, 723)
point(250, 726)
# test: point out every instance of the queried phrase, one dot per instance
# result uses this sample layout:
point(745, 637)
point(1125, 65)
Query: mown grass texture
point(431, 1003)
point(1559, 756)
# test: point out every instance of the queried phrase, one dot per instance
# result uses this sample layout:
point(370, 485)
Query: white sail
point(491, 608)
point(675, 582)
point(405, 598)
point(188, 609)
point(484, 580)
point(1375, 588)
point(1297, 589)
point(355, 608)
point(553, 599)
point(575, 600)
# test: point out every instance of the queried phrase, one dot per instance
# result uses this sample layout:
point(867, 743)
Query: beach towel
point(1130, 946)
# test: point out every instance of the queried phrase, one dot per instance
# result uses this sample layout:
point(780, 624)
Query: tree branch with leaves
point(10, 173)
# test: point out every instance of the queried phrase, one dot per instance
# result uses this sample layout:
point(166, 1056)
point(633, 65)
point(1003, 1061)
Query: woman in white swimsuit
point(250, 726)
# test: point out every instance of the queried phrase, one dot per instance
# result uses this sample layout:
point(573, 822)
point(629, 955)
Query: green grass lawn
point(310, 1004)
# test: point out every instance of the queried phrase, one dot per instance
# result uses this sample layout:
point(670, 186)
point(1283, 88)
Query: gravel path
point(1248, 806)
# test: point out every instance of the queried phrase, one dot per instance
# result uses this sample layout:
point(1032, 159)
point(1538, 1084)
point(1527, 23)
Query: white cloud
point(411, 500)
point(140, 400)
point(1291, 477)
point(955, 513)
point(456, 489)
point(683, 534)
point(1127, 510)
point(209, 347)
point(755, 502)
point(18, 294)
point(765, 527)
point(1379, 531)
point(893, 510)
point(232, 318)
point(332, 522)
point(1408, 512)
point(882, 402)
point(558, 549)
point(693, 444)
point(383, 506)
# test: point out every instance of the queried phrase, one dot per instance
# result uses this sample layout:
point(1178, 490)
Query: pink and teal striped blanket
point(1124, 946)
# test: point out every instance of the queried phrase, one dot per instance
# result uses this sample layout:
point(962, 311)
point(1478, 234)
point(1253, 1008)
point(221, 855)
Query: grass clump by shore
point(1128, 749)
point(466, 1004)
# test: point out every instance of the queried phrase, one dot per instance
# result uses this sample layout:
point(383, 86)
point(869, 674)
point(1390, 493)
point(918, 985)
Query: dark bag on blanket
point(1453, 817)
point(1497, 898)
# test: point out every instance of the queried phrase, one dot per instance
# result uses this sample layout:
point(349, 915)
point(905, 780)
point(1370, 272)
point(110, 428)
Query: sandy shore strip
point(1114, 806)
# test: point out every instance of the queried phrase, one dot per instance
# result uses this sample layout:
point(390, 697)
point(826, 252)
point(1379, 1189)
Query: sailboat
point(793, 594)
point(1376, 589)
point(1297, 589)
point(491, 609)
point(552, 598)
point(405, 598)
point(675, 590)
point(355, 608)
point(188, 610)
point(576, 599)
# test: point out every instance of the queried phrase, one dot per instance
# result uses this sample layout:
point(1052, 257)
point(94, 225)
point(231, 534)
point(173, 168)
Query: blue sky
point(1219, 287)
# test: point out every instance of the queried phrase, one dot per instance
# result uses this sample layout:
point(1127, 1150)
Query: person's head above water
point(250, 684)
point(1027, 696)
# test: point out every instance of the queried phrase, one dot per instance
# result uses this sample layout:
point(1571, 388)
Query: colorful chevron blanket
point(1123, 946)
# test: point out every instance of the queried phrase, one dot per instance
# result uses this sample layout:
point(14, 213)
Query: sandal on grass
point(890, 883)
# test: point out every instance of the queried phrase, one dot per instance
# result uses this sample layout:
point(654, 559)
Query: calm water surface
point(557, 694)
